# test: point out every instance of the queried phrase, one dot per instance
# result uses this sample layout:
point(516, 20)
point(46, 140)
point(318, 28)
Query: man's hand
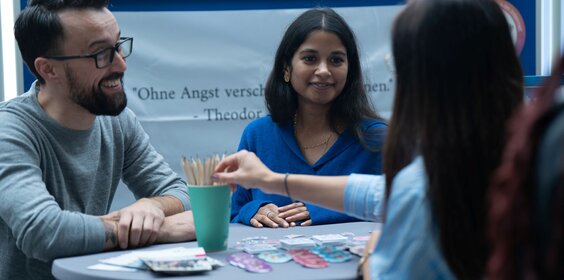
point(267, 215)
point(177, 228)
point(139, 223)
point(295, 214)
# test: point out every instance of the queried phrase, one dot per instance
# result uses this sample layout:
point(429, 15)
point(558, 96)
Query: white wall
point(11, 70)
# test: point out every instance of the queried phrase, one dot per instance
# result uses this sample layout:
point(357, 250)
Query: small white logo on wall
point(516, 24)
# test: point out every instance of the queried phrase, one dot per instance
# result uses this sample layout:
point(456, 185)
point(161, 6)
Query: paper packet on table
point(179, 260)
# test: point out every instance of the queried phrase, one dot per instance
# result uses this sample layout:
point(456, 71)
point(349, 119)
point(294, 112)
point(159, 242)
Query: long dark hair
point(351, 106)
point(458, 81)
point(522, 245)
point(39, 31)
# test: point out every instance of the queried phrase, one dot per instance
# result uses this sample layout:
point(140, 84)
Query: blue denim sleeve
point(321, 216)
point(364, 197)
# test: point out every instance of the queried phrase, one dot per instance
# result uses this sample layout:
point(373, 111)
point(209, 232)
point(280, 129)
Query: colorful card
point(277, 256)
point(259, 247)
point(308, 259)
point(180, 266)
point(249, 263)
point(332, 254)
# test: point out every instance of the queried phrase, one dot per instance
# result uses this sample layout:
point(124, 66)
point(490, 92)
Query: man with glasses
point(67, 142)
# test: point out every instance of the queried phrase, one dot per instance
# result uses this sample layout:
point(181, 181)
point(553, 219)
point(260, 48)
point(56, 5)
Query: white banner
point(195, 79)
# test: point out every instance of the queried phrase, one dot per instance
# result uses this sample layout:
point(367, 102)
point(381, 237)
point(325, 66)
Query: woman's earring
point(286, 77)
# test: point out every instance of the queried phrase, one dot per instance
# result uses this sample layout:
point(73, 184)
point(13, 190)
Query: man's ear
point(46, 69)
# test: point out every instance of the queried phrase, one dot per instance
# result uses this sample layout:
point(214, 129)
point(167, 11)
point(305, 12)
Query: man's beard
point(95, 100)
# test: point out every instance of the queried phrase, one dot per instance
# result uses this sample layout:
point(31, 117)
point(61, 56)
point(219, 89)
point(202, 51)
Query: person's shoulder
point(410, 182)
point(17, 110)
point(369, 124)
point(374, 131)
point(260, 124)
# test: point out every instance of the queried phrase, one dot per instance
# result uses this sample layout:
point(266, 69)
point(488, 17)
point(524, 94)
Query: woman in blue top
point(458, 82)
point(320, 122)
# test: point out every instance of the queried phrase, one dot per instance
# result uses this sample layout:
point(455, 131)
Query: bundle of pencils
point(198, 172)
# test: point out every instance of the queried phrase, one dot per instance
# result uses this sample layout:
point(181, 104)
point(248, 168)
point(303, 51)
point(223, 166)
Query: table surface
point(76, 267)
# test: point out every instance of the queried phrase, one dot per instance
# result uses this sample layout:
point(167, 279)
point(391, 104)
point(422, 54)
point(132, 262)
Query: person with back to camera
point(320, 121)
point(458, 81)
point(68, 141)
point(526, 227)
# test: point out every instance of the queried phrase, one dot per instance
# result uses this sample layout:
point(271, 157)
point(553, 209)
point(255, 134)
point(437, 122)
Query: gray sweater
point(54, 181)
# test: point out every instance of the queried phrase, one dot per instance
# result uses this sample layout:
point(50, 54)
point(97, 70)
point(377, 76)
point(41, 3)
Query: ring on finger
point(268, 214)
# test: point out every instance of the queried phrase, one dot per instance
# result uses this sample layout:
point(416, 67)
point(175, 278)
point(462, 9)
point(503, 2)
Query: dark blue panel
point(528, 54)
point(203, 5)
point(535, 81)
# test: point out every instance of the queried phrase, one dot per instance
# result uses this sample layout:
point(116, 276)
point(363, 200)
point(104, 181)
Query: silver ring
point(268, 213)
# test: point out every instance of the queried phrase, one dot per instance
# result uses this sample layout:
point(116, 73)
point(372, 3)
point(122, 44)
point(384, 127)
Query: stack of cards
point(297, 243)
point(277, 256)
point(178, 260)
point(330, 239)
point(178, 266)
point(332, 254)
point(258, 247)
point(249, 263)
point(308, 259)
point(357, 244)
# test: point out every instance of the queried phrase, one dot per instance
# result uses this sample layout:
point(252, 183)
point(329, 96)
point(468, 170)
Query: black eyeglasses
point(104, 57)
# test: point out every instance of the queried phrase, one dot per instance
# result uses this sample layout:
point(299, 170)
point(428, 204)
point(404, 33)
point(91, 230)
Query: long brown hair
point(514, 228)
point(458, 82)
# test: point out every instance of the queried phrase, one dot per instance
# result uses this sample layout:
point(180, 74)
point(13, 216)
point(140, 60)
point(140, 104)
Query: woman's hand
point(246, 169)
point(267, 215)
point(295, 214)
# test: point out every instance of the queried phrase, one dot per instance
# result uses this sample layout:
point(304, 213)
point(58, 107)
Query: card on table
point(330, 239)
point(295, 243)
point(249, 263)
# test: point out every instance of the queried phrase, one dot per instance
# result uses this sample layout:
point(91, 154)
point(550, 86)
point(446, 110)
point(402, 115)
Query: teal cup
point(211, 206)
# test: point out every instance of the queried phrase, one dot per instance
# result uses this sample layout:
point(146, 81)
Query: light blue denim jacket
point(408, 247)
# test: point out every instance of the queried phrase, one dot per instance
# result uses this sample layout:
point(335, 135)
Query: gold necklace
point(323, 143)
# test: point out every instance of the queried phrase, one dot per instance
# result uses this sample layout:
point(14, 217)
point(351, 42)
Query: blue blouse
point(276, 146)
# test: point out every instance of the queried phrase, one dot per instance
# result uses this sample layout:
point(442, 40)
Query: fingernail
point(215, 178)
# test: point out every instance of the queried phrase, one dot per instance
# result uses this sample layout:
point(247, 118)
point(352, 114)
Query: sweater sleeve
point(244, 207)
point(364, 197)
point(42, 230)
point(145, 171)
